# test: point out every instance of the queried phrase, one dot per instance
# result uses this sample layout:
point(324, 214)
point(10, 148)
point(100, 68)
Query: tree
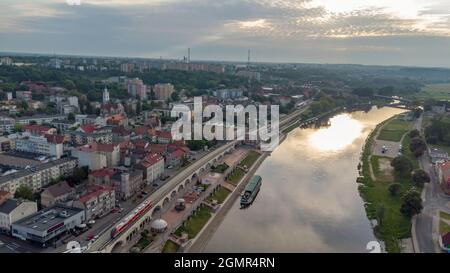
point(417, 146)
point(18, 128)
point(394, 189)
point(412, 203)
point(363, 91)
point(79, 174)
point(24, 192)
point(417, 112)
point(420, 177)
point(402, 165)
point(414, 133)
point(174, 96)
point(71, 117)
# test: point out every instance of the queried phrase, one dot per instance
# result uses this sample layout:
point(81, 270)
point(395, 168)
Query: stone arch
point(117, 246)
point(166, 201)
point(173, 194)
point(187, 182)
point(156, 210)
point(180, 188)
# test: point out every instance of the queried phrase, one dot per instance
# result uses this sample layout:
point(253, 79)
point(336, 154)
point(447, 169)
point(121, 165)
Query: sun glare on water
point(342, 132)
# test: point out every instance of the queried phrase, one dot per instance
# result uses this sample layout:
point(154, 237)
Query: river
point(309, 200)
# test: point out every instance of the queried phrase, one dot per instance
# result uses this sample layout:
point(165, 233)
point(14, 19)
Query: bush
point(403, 165)
point(394, 189)
point(420, 177)
point(412, 203)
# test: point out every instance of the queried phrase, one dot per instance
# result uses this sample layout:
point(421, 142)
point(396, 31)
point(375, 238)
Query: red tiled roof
point(164, 134)
point(103, 173)
point(88, 128)
point(97, 147)
point(56, 139)
point(40, 129)
point(59, 189)
point(177, 153)
point(120, 130)
point(151, 159)
point(94, 191)
point(142, 130)
point(158, 148)
point(140, 143)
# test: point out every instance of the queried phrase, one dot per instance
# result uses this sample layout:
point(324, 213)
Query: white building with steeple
point(105, 95)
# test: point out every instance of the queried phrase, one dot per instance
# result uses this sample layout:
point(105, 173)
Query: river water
point(309, 200)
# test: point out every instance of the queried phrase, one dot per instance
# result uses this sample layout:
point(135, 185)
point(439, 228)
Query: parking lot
point(391, 150)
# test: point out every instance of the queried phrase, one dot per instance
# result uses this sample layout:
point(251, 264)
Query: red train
point(129, 219)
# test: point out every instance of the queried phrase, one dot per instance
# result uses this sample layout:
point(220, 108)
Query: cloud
point(219, 29)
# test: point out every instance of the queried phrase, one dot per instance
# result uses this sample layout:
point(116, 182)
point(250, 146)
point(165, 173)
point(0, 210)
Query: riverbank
point(381, 207)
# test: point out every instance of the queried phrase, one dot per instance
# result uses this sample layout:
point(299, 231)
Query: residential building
point(48, 225)
point(39, 119)
point(90, 119)
point(23, 95)
point(64, 125)
point(13, 210)
point(97, 202)
point(105, 95)
point(228, 93)
point(438, 156)
point(57, 193)
point(39, 129)
point(128, 183)
point(175, 158)
point(152, 166)
point(97, 155)
point(137, 88)
point(6, 125)
point(443, 170)
point(163, 91)
point(251, 75)
point(50, 145)
point(38, 176)
point(6, 61)
point(5, 144)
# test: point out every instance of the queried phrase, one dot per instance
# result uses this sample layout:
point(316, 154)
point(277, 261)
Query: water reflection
point(308, 200)
point(343, 130)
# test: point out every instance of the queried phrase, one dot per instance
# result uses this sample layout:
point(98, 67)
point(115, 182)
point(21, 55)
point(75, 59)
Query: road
point(433, 201)
point(104, 235)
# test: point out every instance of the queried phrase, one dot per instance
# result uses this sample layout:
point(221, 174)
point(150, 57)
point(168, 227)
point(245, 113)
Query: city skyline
point(410, 33)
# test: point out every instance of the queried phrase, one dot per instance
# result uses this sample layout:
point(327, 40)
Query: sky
point(384, 32)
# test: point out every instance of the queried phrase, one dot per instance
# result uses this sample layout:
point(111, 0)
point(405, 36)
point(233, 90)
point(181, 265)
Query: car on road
point(89, 238)
point(170, 167)
point(144, 192)
point(120, 210)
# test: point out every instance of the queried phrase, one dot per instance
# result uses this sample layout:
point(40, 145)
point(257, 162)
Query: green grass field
point(170, 247)
point(195, 223)
point(394, 130)
point(251, 157)
point(393, 225)
point(440, 91)
point(220, 195)
point(236, 176)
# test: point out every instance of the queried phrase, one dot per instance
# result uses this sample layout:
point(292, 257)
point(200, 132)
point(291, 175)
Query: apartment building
point(50, 145)
point(163, 91)
point(38, 176)
point(152, 166)
point(97, 155)
point(98, 201)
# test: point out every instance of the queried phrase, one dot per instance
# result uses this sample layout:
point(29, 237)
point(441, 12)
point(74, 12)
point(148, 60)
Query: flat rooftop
point(32, 170)
point(47, 218)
